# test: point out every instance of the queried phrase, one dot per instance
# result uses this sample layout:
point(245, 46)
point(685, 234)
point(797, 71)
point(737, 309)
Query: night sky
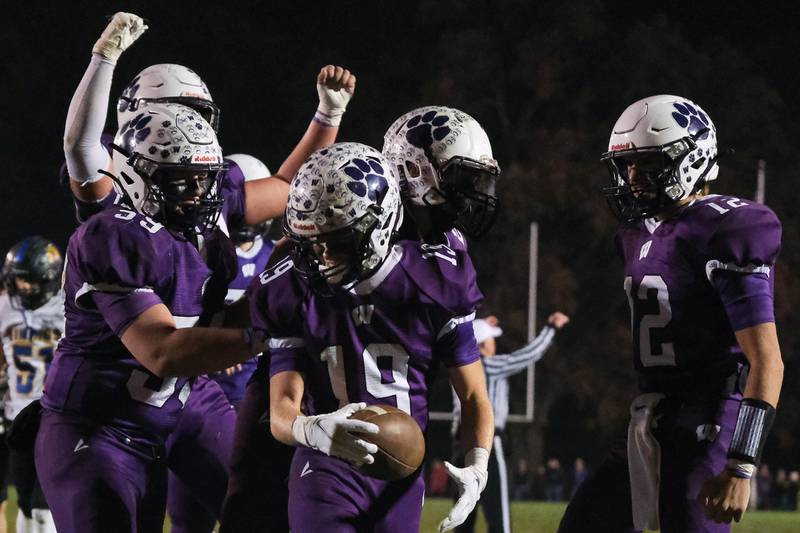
point(260, 59)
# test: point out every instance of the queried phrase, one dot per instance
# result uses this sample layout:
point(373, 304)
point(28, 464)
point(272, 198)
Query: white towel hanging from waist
point(644, 461)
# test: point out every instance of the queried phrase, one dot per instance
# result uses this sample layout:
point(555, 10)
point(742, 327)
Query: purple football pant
point(328, 494)
point(257, 498)
point(198, 453)
point(95, 483)
point(602, 504)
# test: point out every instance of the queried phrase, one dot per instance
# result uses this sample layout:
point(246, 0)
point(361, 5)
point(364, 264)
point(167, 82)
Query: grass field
point(537, 517)
point(540, 517)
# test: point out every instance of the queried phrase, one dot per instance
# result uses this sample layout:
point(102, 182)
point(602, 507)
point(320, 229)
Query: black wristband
point(752, 427)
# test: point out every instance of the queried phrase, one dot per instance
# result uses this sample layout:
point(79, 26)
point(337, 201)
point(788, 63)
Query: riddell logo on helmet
point(304, 226)
point(624, 146)
point(205, 159)
point(191, 94)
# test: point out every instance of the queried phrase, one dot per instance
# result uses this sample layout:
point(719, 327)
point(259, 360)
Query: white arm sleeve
point(85, 121)
point(508, 365)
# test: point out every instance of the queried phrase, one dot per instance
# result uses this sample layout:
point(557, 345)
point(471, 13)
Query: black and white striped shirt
point(499, 368)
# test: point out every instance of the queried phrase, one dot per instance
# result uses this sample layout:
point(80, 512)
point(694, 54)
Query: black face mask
point(36, 261)
point(657, 186)
point(33, 297)
point(184, 197)
point(469, 189)
point(190, 200)
point(243, 234)
point(349, 248)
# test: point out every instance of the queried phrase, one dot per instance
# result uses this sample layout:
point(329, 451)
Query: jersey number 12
point(643, 325)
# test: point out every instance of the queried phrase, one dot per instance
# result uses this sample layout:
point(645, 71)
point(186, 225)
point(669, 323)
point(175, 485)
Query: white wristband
point(477, 457)
point(740, 469)
point(299, 430)
point(328, 117)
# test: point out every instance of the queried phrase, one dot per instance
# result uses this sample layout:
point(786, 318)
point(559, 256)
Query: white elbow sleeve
point(86, 118)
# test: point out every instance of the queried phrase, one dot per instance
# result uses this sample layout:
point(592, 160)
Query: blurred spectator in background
point(538, 482)
point(779, 489)
point(579, 474)
point(791, 491)
point(522, 481)
point(554, 481)
point(764, 487)
point(437, 479)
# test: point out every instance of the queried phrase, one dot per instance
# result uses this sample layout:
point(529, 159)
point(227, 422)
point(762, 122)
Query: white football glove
point(335, 87)
point(122, 31)
point(336, 434)
point(470, 480)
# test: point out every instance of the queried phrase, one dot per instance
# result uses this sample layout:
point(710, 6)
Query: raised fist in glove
point(470, 480)
point(122, 31)
point(337, 435)
point(335, 86)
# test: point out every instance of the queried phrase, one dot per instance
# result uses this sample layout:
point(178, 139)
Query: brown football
point(401, 446)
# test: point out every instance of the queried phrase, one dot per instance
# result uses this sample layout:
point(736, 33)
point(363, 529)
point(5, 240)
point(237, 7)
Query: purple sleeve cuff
point(287, 360)
point(85, 210)
point(120, 309)
point(747, 298)
point(233, 191)
point(458, 347)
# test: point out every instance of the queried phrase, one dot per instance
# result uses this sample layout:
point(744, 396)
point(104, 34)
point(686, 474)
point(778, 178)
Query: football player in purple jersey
point(138, 275)
point(699, 279)
point(464, 161)
point(355, 318)
point(262, 198)
point(199, 449)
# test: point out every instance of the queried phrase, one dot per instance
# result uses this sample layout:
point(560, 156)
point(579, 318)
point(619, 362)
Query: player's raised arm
point(86, 117)
point(266, 199)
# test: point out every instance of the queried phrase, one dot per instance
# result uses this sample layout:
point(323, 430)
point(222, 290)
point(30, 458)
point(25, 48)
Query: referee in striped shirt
point(498, 369)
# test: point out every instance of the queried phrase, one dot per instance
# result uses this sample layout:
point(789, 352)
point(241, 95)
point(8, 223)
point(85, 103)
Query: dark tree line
point(546, 80)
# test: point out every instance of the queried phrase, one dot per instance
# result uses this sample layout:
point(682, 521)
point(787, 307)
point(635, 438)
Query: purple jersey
point(251, 263)
point(119, 264)
point(695, 279)
point(381, 340)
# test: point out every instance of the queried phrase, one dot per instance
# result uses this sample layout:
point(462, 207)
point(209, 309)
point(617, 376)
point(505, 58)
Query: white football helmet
point(673, 143)
point(168, 164)
point(168, 83)
point(252, 168)
point(344, 209)
point(443, 157)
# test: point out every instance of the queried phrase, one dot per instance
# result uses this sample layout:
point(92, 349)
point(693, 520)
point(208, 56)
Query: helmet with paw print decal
point(444, 160)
